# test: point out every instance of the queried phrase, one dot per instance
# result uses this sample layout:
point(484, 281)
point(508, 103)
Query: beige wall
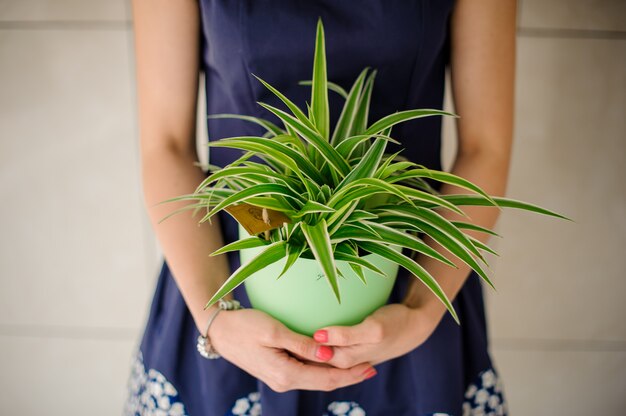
point(557, 321)
point(78, 261)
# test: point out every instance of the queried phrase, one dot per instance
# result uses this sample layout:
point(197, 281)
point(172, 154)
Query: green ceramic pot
point(303, 300)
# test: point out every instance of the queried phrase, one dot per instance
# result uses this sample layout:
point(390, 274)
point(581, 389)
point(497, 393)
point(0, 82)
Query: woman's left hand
point(391, 331)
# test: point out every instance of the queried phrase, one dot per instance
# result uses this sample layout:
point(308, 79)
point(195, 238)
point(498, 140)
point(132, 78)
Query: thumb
point(367, 332)
point(304, 347)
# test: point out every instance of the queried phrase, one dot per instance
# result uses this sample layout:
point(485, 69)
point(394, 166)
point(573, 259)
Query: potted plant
point(324, 220)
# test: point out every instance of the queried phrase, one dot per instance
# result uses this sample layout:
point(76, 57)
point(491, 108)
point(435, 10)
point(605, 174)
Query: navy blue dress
point(407, 41)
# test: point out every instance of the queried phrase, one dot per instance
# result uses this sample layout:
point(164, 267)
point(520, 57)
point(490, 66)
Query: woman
point(409, 357)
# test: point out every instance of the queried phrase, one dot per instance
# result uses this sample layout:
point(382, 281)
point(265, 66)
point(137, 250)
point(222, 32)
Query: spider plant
point(340, 194)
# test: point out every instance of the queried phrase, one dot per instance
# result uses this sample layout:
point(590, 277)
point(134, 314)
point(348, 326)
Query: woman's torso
point(407, 42)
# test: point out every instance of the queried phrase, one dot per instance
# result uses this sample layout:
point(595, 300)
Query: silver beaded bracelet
point(204, 344)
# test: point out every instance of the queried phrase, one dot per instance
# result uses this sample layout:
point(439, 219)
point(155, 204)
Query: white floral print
point(247, 406)
point(484, 397)
point(150, 394)
point(481, 396)
point(345, 409)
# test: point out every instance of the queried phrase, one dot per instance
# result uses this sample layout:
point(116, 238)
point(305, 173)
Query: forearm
point(482, 66)
point(186, 244)
point(489, 172)
point(167, 64)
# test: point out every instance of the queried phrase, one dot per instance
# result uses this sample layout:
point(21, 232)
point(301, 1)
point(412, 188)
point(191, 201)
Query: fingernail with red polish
point(369, 373)
point(321, 336)
point(324, 353)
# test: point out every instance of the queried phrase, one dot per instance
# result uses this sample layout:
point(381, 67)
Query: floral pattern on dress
point(150, 394)
point(247, 406)
point(484, 397)
point(344, 409)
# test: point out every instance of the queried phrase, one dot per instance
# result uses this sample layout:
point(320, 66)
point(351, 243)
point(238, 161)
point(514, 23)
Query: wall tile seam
point(74, 332)
point(86, 333)
point(564, 33)
point(67, 25)
point(126, 24)
point(561, 345)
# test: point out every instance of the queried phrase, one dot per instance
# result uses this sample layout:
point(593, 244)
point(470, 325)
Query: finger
point(302, 346)
point(369, 331)
point(311, 377)
point(348, 357)
point(328, 379)
point(315, 363)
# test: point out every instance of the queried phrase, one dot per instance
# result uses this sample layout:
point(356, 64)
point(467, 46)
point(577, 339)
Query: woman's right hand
point(281, 358)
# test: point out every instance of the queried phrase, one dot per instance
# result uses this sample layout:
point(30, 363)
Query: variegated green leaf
point(330, 155)
point(271, 254)
point(312, 207)
point(372, 185)
point(195, 207)
point(360, 215)
point(294, 251)
point(250, 242)
point(348, 113)
point(443, 177)
point(389, 158)
point(474, 227)
point(347, 250)
point(502, 202)
point(331, 87)
point(319, 243)
point(268, 125)
point(319, 89)
point(293, 140)
point(214, 192)
point(360, 261)
point(337, 219)
point(402, 116)
point(358, 270)
point(387, 235)
point(360, 119)
point(413, 267)
point(417, 195)
point(278, 151)
point(349, 144)
point(256, 190)
point(386, 171)
point(368, 164)
point(273, 204)
point(365, 227)
point(253, 174)
point(292, 107)
point(357, 194)
point(442, 224)
point(454, 247)
point(482, 246)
